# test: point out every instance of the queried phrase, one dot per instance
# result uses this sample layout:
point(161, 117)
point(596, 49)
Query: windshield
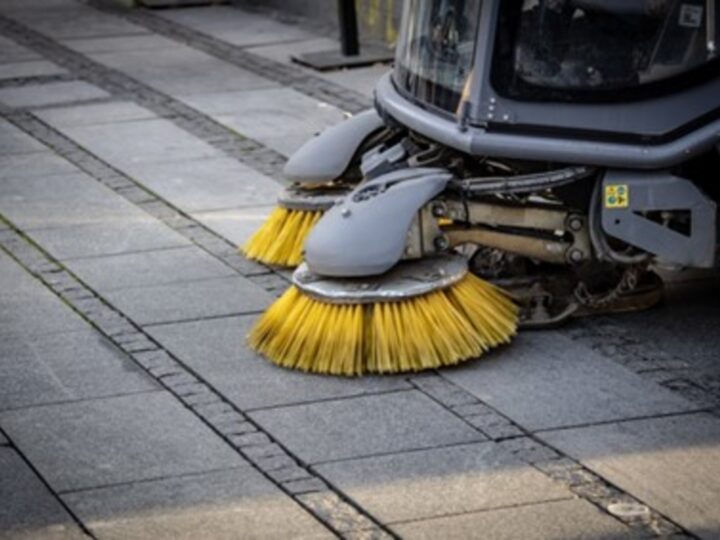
point(435, 52)
point(562, 48)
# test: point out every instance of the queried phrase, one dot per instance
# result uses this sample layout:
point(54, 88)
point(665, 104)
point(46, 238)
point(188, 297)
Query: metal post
point(350, 46)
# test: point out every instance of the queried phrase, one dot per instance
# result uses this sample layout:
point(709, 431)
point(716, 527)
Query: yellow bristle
point(438, 329)
point(280, 240)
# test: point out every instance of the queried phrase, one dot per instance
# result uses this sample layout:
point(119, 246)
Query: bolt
point(441, 243)
point(345, 212)
point(439, 210)
point(576, 255)
point(575, 223)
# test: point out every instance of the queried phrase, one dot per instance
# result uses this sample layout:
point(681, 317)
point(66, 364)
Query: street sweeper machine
point(525, 162)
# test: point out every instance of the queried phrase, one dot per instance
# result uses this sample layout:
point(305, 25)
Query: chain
point(627, 283)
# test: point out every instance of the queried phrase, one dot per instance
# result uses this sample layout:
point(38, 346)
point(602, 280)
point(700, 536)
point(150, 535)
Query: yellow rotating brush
point(280, 240)
point(420, 315)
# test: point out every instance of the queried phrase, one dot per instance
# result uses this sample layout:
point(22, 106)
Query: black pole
point(348, 28)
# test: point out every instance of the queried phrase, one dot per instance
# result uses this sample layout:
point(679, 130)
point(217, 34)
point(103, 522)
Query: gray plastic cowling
point(327, 156)
point(365, 233)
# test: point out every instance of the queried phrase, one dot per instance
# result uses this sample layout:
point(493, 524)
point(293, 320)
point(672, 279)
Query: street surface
point(137, 150)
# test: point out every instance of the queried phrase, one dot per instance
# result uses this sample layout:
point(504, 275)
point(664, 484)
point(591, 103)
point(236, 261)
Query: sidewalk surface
point(137, 150)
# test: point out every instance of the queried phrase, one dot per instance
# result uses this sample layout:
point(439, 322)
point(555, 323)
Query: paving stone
point(144, 141)
point(282, 52)
point(63, 367)
point(267, 113)
point(12, 52)
point(216, 350)
point(28, 308)
point(108, 238)
point(31, 68)
point(545, 380)
point(159, 267)
point(182, 71)
point(71, 21)
point(34, 164)
point(285, 144)
point(236, 26)
point(61, 201)
point(557, 520)
point(207, 184)
point(116, 44)
point(363, 426)
point(235, 224)
point(94, 113)
point(29, 510)
point(442, 481)
point(32, 95)
point(361, 80)
point(116, 440)
point(670, 463)
point(223, 504)
point(188, 301)
point(15, 141)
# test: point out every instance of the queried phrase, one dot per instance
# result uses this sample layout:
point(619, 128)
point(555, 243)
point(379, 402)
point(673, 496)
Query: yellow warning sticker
point(617, 196)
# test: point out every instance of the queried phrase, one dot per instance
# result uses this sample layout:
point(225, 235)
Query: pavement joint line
point(331, 507)
point(149, 480)
point(32, 80)
point(74, 517)
point(547, 459)
point(287, 75)
point(79, 400)
point(688, 412)
point(330, 399)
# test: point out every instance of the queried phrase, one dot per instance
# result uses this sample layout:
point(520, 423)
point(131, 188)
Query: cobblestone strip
point(31, 80)
point(576, 477)
point(649, 361)
point(120, 85)
point(126, 187)
point(288, 75)
point(282, 468)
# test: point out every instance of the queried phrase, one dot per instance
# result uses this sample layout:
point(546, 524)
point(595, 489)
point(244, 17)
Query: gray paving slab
point(671, 463)
point(94, 113)
point(182, 71)
point(558, 520)
point(3, 439)
point(283, 52)
point(546, 380)
point(361, 80)
point(119, 43)
point(189, 301)
point(442, 481)
point(14, 141)
point(29, 68)
point(12, 52)
point(207, 184)
point(116, 440)
point(29, 510)
point(236, 26)
point(147, 141)
point(72, 21)
point(216, 349)
point(34, 164)
point(235, 224)
point(364, 426)
point(223, 505)
point(269, 113)
point(28, 308)
point(176, 265)
point(108, 238)
point(66, 200)
point(36, 95)
point(63, 367)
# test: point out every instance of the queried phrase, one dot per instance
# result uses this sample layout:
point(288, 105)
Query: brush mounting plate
point(312, 199)
point(406, 280)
